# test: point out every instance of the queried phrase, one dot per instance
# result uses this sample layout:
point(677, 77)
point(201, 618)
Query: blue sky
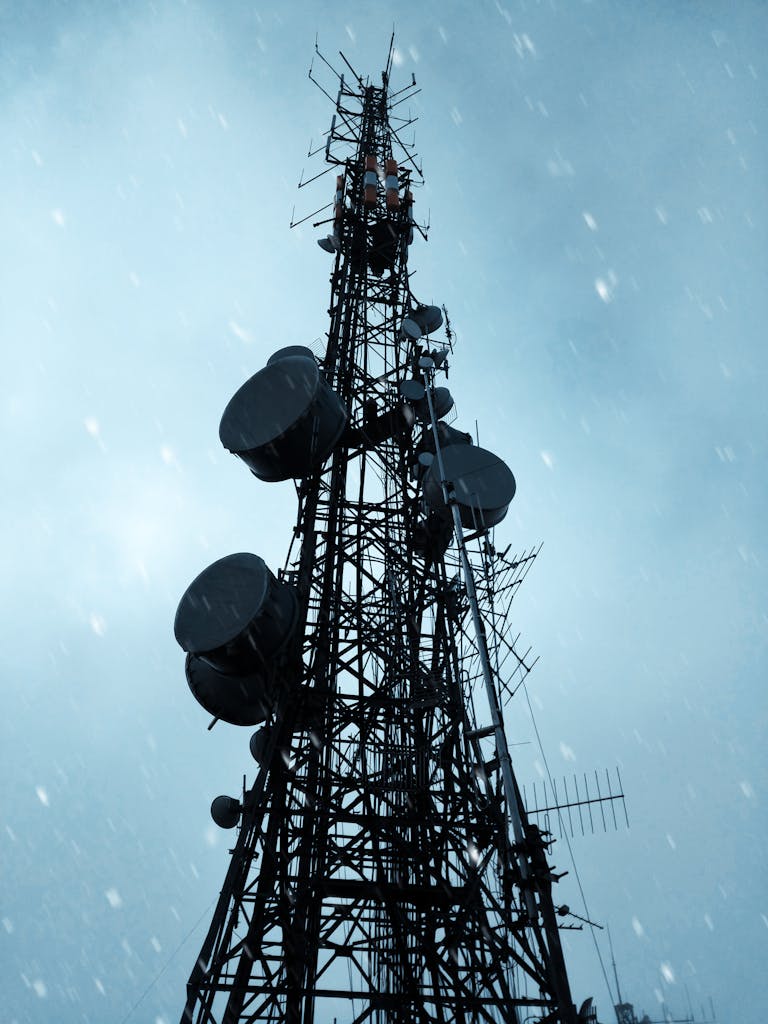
point(596, 187)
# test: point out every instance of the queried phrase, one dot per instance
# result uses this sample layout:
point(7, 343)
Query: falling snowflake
point(168, 455)
point(114, 898)
point(559, 167)
point(98, 624)
point(605, 286)
point(240, 332)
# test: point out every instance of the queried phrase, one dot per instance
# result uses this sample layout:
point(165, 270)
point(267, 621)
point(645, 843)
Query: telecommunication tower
point(385, 867)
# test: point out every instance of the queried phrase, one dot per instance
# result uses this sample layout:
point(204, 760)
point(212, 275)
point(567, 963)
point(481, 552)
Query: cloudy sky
point(596, 188)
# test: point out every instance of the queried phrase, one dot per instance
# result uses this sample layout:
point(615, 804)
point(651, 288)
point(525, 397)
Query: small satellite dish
point(426, 363)
point(225, 811)
point(483, 484)
point(258, 744)
point(326, 244)
point(429, 318)
point(285, 421)
point(412, 390)
point(235, 615)
point(426, 459)
point(439, 355)
point(291, 350)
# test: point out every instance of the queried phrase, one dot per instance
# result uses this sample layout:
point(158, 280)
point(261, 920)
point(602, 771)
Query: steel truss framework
point(376, 875)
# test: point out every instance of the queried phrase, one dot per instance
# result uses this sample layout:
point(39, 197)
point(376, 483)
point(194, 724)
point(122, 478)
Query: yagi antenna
point(578, 806)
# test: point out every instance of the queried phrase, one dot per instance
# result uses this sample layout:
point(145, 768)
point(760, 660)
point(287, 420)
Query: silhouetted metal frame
point(373, 862)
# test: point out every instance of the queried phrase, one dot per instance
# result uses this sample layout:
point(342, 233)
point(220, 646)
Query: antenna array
point(385, 867)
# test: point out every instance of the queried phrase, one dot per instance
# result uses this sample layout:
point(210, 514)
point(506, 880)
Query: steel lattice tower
point(384, 868)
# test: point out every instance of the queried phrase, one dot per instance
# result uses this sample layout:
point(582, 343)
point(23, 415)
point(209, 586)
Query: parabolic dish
point(484, 485)
point(412, 390)
point(285, 421)
point(221, 602)
point(239, 700)
point(235, 614)
point(429, 318)
point(448, 436)
point(291, 350)
point(411, 329)
point(225, 811)
point(442, 400)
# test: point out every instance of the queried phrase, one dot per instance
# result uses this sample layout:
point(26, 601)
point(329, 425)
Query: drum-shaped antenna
point(235, 615)
point(429, 318)
point(412, 391)
point(239, 700)
point(484, 485)
point(225, 811)
point(233, 618)
point(259, 743)
point(410, 329)
point(442, 401)
point(285, 421)
point(448, 436)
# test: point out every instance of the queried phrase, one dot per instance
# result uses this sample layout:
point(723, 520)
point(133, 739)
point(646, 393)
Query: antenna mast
point(385, 867)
